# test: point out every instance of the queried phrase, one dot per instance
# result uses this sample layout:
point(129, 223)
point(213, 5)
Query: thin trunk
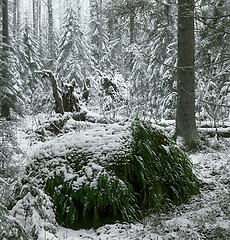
point(132, 34)
point(16, 20)
point(35, 18)
point(78, 11)
point(5, 108)
point(5, 26)
point(40, 27)
point(14, 28)
point(185, 119)
point(51, 31)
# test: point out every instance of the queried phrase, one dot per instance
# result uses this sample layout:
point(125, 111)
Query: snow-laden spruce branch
point(201, 19)
point(184, 67)
point(214, 104)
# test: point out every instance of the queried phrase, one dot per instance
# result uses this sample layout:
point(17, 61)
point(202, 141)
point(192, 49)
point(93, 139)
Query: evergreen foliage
point(88, 189)
point(10, 89)
point(213, 61)
point(35, 89)
point(10, 228)
point(109, 94)
point(9, 165)
point(34, 211)
point(144, 31)
point(98, 36)
point(74, 61)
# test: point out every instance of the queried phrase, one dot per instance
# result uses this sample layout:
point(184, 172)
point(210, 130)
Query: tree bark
point(5, 108)
point(58, 100)
point(5, 23)
point(51, 30)
point(131, 33)
point(185, 119)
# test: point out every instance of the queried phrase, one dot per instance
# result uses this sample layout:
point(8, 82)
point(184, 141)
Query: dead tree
point(65, 100)
point(70, 101)
point(58, 100)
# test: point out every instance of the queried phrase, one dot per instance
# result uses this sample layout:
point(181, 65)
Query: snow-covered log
point(219, 132)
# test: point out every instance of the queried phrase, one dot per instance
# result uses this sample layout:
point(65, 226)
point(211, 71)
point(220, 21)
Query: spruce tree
point(36, 89)
point(98, 36)
point(213, 60)
point(74, 61)
point(9, 86)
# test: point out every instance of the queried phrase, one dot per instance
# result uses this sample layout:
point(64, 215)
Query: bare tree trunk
point(35, 17)
point(14, 28)
point(40, 27)
point(51, 30)
point(5, 25)
point(16, 20)
point(5, 108)
point(132, 34)
point(58, 100)
point(185, 119)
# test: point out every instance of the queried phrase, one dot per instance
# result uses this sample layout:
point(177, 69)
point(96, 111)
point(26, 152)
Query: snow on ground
point(205, 216)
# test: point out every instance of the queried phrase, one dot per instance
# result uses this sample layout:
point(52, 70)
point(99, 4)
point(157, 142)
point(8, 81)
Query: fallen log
point(219, 132)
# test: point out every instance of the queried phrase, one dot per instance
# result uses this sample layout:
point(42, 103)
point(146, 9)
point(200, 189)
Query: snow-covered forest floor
point(205, 216)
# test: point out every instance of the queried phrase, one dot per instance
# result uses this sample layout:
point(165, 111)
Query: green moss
point(149, 171)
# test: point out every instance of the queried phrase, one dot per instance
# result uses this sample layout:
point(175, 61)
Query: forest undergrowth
point(204, 216)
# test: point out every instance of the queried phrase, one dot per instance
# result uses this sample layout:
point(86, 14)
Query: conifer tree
point(35, 90)
point(98, 35)
point(213, 60)
point(74, 61)
point(9, 87)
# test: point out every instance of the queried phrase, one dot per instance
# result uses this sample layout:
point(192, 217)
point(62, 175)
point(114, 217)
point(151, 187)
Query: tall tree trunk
point(51, 30)
point(16, 20)
point(185, 119)
point(5, 108)
point(14, 28)
point(35, 18)
point(5, 23)
point(131, 33)
point(40, 29)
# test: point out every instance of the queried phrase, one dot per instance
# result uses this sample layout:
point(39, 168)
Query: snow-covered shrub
point(8, 149)
point(112, 172)
point(110, 92)
point(10, 228)
point(35, 213)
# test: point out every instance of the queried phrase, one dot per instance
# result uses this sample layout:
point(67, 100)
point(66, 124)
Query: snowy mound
point(99, 140)
point(111, 172)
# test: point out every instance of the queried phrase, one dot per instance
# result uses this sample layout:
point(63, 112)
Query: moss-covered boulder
point(112, 172)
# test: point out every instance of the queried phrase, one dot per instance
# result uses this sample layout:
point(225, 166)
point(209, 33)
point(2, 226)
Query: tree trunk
point(14, 27)
point(5, 23)
point(131, 33)
point(51, 30)
point(185, 119)
point(35, 18)
point(58, 100)
point(5, 108)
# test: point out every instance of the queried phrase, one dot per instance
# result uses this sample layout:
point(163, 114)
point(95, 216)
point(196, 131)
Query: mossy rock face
point(112, 172)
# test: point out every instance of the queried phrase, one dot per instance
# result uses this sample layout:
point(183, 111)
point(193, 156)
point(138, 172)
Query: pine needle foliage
point(148, 172)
